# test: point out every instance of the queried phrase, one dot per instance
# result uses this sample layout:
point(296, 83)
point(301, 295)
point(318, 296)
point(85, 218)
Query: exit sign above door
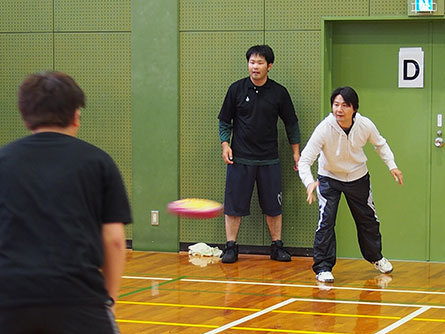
point(425, 7)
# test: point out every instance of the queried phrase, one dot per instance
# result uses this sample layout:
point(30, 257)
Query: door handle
point(438, 142)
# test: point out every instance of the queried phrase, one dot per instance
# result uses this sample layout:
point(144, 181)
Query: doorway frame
point(328, 27)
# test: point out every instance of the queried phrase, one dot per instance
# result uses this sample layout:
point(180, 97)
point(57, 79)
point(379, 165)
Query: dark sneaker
point(278, 253)
point(230, 253)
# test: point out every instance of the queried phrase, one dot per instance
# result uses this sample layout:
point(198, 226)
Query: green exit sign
point(425, 7)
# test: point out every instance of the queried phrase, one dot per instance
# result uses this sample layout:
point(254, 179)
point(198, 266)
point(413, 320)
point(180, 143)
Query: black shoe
point(230, 253)
point(278, 253)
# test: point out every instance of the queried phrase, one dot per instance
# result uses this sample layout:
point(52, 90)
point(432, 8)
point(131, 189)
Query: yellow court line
point(341, 315)
point(213, 326)
point(256, 310)
point(189, 306)
point(164, 323)
point(429, 319)
point(251, 310)
point(276, 311)
point(281, 330)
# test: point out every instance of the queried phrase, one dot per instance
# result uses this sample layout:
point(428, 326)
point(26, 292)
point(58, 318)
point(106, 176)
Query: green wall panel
point(297, 58)
point(26, 15)
point(155, 121)
point(20, 54)
point(209, 63)
point(92, 15)
point(220, 15)
point(388, 7)
point(293, 15)
point(100, 63)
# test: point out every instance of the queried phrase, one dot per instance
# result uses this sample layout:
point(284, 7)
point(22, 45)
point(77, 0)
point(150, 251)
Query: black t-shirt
point(56, 191)
point(254, 112)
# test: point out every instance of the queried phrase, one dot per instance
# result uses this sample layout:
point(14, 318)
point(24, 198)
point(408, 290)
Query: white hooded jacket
point(342, 156)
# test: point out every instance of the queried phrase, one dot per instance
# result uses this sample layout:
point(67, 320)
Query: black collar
point(250, 84)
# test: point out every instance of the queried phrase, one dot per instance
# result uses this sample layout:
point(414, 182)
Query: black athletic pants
point(359, 198)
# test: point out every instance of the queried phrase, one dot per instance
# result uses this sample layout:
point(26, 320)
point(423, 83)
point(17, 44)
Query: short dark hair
point(49, 99)
point(262, 50)
point(349, 95)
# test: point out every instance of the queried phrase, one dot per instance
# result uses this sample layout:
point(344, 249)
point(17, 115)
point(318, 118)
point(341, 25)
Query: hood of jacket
point(331, 120)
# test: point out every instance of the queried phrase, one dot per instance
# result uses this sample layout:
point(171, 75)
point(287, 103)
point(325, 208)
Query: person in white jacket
point(339, 140)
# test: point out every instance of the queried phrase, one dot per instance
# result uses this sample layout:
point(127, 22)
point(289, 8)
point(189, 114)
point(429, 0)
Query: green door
point(437, 244)
point(364, 55)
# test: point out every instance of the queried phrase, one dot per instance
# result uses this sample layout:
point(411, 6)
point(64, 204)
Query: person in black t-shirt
point(248, 118)
point(63, 207)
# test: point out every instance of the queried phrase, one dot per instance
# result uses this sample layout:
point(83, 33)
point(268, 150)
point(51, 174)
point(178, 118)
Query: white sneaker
point(325, 277)
point(383, 265)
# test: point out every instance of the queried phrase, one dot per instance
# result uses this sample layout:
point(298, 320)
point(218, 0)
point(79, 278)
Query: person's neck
point(259, 83)
point(345, 126)
point(69, 130)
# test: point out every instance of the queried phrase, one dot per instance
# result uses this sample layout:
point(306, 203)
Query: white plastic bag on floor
point(203, 261)
point(203, 249)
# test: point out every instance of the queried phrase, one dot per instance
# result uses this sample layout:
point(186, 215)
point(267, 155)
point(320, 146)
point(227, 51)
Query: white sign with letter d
point(411, 68)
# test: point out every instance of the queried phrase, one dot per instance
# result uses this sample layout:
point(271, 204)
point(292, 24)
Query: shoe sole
point(326, 281)
point(222, 260)
point(281, 260)
point(385, 272)
point(228, 261)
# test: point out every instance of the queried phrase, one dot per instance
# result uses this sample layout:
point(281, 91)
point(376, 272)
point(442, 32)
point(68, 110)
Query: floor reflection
point(203, 261)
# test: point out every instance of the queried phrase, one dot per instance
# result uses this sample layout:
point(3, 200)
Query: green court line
point(146, 275)
point(288, 296)
point(153, 286)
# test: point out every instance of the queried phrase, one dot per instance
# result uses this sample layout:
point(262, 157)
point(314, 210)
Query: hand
point(227, 153)
point(310, 192)
point(397, 175)
point(296, 159)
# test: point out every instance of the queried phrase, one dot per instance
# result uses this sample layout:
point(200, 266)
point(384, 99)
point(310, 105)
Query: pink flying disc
point(195, 208)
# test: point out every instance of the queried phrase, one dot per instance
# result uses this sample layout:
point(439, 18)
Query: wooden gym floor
point(172, 293)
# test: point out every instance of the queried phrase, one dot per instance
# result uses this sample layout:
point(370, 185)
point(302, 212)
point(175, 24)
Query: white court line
point(316, 286)
point(403, 320)
point(250, 317)
point(364, 303)
point(149, 278)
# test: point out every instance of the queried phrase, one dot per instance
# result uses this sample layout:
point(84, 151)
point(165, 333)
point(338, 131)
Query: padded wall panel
point(92, 15)
point(100, 63)
point(20, 54)
point(388, 7)
point(291, 14)
point(220, 15)
point(155, 104)
point(209, 63)
point(26, 15)
point(297, 67)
